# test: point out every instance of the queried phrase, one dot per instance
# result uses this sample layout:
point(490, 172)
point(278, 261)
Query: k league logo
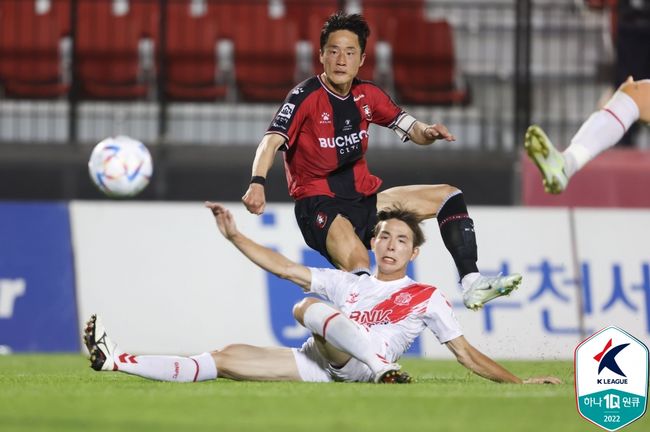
point(607, 359)
point(611, 371)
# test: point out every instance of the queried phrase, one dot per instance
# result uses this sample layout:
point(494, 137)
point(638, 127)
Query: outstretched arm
point(264, 257)
point(424, 134)
point(484, 366)
point(254, 199)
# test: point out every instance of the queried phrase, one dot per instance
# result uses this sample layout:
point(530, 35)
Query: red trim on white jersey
point(411, 299)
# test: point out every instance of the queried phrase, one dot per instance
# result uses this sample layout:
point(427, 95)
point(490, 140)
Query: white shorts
point(313, 367)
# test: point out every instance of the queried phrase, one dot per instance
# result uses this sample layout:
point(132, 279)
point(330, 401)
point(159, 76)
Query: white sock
point(602, 130)
point(343, 334)
point(467, 280)
point(168, 368)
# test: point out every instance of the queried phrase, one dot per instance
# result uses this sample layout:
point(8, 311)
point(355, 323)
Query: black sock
point(457, 231)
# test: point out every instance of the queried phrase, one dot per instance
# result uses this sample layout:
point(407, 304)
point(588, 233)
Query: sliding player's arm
point(264, 257)
point(484, 366)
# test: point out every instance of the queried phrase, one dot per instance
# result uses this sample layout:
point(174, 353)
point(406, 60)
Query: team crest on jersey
point(367, 112)
point(403, 299)
point(321, 220)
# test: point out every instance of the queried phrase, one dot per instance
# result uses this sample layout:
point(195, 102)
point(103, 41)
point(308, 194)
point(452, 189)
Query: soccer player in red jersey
point(367, 323)
point(322, 129)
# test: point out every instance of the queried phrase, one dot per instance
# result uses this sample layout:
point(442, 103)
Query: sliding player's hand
point(225, 220)
point(254, 199)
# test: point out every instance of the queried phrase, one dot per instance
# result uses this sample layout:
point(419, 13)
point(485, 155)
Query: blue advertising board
point(38, 310)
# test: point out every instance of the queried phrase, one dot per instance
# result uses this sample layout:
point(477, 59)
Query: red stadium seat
point(379, 13)
point(315, 26)
point(30, 48)
point(107, 52)
point(424, 66)
point(233, 15)
point(265, 56)
point(301, 11)
point(191, 56)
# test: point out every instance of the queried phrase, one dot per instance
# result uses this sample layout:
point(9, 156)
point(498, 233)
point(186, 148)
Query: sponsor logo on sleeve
point(286, 111)
point(284, 115)
point(367, 112)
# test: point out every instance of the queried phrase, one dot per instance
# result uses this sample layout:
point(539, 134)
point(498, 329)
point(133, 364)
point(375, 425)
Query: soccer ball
point(120, 166)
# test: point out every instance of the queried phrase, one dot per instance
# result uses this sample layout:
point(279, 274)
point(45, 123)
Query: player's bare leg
point(425, 200)
point(639, 91)
point(447, 204)
point(253, 363)
point(339, 338)
point(345, 248)
point(602, 130)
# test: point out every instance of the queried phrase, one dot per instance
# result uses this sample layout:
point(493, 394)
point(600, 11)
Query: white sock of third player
point(602, 130)
point(168, 368)
point(343, 334)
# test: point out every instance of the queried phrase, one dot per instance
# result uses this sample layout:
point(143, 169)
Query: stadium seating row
point(118, 49)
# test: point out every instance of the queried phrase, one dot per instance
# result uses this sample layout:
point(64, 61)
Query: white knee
point(317, 315)
point(300, 308)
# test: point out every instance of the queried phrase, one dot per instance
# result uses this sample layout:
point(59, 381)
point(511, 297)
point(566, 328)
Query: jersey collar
point(330, 91)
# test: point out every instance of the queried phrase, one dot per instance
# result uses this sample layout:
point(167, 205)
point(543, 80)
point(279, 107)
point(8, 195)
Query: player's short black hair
point(342, 21)
point(408, 217)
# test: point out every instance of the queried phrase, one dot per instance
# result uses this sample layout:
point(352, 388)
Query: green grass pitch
point(61, 393)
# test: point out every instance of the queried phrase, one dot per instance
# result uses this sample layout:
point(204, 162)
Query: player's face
point(393, 247)
point(341, 58)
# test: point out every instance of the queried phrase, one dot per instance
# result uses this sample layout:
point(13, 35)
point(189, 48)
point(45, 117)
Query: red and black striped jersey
point(327, 138)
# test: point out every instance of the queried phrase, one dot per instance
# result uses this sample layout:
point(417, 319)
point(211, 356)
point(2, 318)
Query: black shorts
point(315, 215)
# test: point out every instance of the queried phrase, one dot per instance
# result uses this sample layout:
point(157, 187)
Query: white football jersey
point(397, 311)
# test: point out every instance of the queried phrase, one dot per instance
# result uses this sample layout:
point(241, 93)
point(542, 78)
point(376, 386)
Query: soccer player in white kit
point(360, 329)
point(602, 130)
